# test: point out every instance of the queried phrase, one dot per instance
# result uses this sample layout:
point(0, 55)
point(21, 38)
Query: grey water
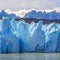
point(30, 56)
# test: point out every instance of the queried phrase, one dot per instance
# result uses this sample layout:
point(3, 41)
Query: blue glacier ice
point(18, 37)
point(58, 47)
point(8, 41)
point(23, 33)
point(51, 41)
point(37, 38)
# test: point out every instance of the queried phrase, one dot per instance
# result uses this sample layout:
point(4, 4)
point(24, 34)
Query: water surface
point(31, 56)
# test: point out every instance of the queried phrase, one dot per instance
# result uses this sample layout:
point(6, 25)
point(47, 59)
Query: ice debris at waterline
point(18, 37)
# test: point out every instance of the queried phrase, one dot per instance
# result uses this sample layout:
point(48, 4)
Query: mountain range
point(32, 14)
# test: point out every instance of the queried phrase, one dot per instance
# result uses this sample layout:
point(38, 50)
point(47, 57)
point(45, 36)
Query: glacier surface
point(18, 37)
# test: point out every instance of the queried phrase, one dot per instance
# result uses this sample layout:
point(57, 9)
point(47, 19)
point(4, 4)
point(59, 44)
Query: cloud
point(22, 13)
point(29, 4)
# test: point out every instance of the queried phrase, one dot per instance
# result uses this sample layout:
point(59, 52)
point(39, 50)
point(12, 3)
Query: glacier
point(37, 38)
point(19, 37)
point(51, 41)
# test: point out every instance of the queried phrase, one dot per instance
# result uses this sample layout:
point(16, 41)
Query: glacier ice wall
point(18, 37)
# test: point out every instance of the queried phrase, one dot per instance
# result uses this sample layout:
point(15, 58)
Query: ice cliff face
point(51, 41)
point(37, 38)
point(7, 38)
point(24, 37)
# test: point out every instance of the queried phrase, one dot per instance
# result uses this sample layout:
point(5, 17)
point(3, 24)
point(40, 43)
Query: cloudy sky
point(29, 4)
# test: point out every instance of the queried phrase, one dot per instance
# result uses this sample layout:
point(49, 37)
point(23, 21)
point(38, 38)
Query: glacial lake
point(30, 56)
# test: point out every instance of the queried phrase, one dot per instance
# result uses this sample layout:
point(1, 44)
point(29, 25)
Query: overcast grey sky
point(29, 4)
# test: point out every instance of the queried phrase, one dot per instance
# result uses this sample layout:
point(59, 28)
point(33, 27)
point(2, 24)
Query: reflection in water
point(30, 56)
